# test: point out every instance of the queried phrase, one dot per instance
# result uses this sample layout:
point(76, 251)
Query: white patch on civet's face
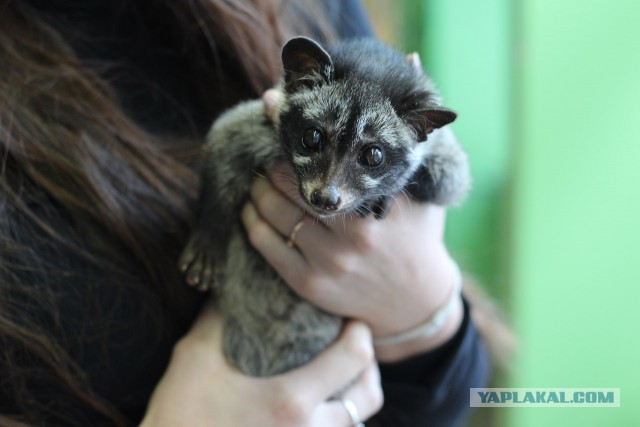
point(380, 120)
point(307, 187)
point(325, 106)
point(300, 160)
point(369, 182)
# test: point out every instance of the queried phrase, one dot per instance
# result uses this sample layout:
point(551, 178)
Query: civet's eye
point(371, 156)
point(313, 139)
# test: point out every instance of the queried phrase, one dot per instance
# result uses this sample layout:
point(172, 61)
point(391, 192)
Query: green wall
point(466, 47)
point(576, 205)
point(549, 100)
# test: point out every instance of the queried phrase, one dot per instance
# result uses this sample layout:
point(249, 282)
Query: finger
point(290, 264)
point(323, 243)
point(271, 99)
point(283, 179)
point(405, 217)
point(351, 224)
point(410, 212)
point(274, 207)
point(365, 395)
point(207, 328)
point(207, 317)
point(334, 368)
point(310, 236)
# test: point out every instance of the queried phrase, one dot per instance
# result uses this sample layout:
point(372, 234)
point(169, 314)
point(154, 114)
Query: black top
point(125, 363)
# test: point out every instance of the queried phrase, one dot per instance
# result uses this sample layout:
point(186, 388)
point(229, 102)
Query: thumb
point(207, 328)
point(336, 367)
point(271, 99)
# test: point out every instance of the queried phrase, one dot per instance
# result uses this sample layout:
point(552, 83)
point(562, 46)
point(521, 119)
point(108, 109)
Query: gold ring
point(292, 237)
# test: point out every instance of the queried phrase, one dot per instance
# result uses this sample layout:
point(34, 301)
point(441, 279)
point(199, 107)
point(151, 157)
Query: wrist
point(414, 346)
point(444, 308)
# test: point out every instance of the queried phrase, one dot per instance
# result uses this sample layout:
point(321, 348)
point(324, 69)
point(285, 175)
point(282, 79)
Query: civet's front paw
point(197, 263)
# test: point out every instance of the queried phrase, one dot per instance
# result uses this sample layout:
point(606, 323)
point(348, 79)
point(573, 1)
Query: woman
point(103, 106)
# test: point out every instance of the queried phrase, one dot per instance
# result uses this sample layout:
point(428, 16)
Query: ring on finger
point(292, 237)
point(353, 412)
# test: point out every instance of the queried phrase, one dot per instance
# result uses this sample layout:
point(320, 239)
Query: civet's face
point(347, 146)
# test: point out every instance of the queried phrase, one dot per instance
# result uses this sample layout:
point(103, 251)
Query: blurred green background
point(548, 95)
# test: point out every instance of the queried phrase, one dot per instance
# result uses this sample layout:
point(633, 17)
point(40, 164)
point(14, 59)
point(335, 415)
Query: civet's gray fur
point(376, 119)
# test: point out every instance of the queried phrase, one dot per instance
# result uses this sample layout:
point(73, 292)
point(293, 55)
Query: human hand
point(199, 388)
point(270, 99)
point(393, 274)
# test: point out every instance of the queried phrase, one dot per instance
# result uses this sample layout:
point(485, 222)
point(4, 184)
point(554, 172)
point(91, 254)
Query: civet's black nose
point(328, 199)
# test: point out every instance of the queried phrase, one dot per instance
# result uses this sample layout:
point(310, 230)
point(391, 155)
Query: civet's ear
point(440, 116)
point(424, 116)
point(306, 64)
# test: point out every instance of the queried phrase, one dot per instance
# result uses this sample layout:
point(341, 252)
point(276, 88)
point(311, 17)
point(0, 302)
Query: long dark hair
point(68, 150)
